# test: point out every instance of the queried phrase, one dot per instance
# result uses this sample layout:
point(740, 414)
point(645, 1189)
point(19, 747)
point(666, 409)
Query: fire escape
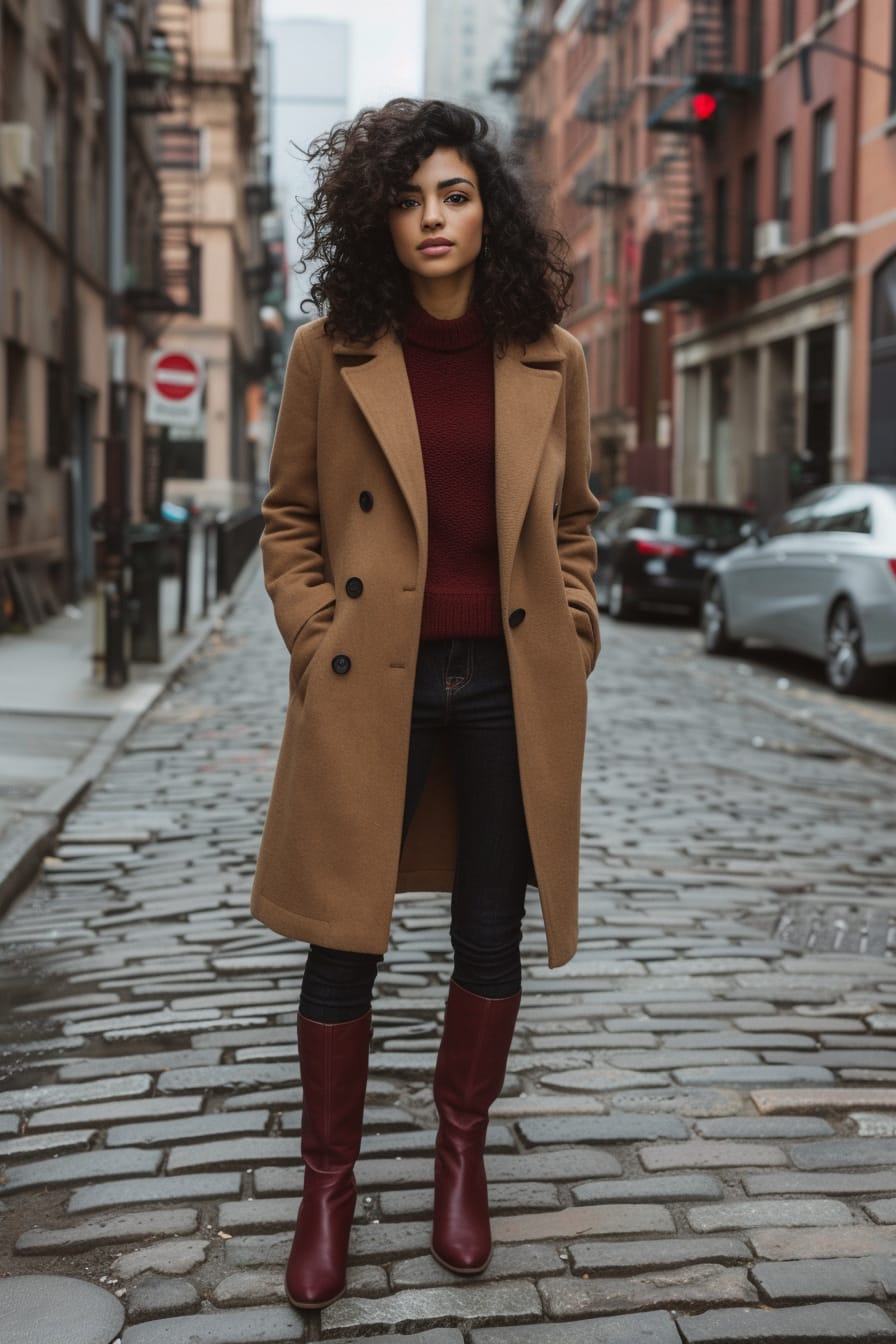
point(693, 256)
point(525, 52)
point(167, 281)
point(603, 102)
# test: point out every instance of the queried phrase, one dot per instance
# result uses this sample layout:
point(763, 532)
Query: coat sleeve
point(291, 543)
point(578, 509)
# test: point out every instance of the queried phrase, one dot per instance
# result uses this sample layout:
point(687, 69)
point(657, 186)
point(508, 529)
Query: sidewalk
point(60, 725)
point(696, 1140)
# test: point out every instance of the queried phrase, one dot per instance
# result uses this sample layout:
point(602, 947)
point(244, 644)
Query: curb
point(33, 832)
point(857, 742)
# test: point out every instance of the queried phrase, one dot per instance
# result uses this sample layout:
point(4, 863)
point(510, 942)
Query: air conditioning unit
point(772, 238)
point(18, 154)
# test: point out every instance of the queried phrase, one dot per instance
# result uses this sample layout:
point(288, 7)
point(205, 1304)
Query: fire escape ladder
point(681, 201)
point(179, 252)
point(712, 54)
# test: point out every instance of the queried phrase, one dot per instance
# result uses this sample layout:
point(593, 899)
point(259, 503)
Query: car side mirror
point(755, 532)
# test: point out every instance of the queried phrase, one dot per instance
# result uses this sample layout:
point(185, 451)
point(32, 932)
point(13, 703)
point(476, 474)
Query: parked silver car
point(821, 581)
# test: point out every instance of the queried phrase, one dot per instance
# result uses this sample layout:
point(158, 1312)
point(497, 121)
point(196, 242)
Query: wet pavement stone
point(695, 1141)
point(838, 1322)
point(685, 1286)
point(651, 1327)
point(151, 1297)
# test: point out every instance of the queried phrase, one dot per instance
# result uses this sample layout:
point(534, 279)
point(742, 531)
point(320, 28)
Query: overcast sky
point(386, 43)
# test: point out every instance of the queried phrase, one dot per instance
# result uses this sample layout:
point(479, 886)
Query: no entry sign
point(174, 391)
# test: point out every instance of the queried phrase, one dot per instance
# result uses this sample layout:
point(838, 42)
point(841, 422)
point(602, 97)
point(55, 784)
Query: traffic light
point(704, 107)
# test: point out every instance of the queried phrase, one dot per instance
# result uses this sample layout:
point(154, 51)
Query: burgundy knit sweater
point(451, 371)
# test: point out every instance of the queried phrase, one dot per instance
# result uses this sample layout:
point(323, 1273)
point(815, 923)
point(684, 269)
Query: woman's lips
point(435, 249)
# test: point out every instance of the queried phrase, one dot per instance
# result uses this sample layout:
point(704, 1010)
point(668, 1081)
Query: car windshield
point(715, 524)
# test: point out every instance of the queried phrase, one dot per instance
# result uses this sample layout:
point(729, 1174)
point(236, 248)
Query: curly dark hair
point(521, 286)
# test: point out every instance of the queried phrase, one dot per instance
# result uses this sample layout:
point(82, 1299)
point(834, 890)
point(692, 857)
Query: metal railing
point(236, 538)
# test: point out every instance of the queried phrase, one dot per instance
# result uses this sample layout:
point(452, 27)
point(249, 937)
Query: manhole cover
point(47, 1308)
point(860, 930)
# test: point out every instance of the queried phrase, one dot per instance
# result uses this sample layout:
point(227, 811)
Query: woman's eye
point(405, 202)
point(457, 198)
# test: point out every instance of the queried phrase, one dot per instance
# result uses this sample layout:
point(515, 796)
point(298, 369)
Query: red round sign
point(176, 376)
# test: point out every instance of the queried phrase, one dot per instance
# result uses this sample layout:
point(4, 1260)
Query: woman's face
point(436, 223)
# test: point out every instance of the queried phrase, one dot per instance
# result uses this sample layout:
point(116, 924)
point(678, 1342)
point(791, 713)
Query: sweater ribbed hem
point(463, 615)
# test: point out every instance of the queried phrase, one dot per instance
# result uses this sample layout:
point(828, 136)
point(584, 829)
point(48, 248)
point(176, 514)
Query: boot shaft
point(333, 1062)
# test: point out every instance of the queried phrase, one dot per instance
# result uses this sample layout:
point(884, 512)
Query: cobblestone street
point(696, 1143)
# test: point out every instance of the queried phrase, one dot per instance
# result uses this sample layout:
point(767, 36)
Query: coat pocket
point(306, 646)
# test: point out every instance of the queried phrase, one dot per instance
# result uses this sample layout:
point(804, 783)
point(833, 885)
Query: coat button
point(365, 499)
point(341, 664)
point(354, 587)
point(516, 618)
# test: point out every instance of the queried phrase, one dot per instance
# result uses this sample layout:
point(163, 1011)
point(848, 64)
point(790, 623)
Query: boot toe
point(310, 1290)
point(466, 1259)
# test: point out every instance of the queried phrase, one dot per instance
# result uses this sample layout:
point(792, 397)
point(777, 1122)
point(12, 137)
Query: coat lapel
point(381, 389)
point(526, 394)
point(525, 402)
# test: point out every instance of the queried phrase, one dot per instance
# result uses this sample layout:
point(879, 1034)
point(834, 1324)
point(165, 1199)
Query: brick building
point(729, 208)
point(133, 179)
point(55, 281)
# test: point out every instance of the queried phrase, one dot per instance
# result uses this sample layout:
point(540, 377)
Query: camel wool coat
point(345, 558)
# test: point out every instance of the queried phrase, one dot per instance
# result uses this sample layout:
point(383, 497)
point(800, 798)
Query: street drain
point(860, 930)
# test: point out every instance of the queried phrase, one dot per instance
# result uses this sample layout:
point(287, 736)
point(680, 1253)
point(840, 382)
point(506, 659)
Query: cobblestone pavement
point(697, 1137)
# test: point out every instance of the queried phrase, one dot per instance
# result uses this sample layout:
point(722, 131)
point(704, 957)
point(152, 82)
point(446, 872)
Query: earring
point(483, 251)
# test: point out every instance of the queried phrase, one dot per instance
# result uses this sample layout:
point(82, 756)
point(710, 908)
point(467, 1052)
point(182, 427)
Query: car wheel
point(619, 604)
point(847, 671)
point(714, 622)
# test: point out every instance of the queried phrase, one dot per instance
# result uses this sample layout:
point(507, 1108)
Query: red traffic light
point(704, 106)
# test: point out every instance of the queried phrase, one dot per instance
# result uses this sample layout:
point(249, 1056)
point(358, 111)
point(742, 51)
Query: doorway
point(882, 395)
point(815, 462)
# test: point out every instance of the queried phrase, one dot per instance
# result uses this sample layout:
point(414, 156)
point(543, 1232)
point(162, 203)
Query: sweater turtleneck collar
point(447, 334)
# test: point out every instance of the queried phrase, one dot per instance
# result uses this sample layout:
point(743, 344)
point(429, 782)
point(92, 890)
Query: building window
point(55, 437)
point(582, 285)
point(728, 33)
point(720, 230)
point(787, 32)
point(748, 211)
point(823, 169)
point(784, 179)
point(754, 37)
point(11, 72)
point(788, 22)
point(883, 318)
point(51, 110)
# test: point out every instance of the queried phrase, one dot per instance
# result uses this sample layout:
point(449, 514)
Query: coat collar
point(527, 386)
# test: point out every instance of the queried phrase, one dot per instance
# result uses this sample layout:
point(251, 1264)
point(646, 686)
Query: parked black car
point(655, 551)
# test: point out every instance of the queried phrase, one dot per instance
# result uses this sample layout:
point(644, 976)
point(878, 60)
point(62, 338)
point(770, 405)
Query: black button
point(516, 618)
point(556, 509)
point(354, 587)
point(365, 499)
point(341, 664)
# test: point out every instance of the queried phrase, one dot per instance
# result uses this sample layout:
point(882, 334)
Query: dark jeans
point(462, 696)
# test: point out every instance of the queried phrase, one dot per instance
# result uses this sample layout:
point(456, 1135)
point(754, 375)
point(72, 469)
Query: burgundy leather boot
point(469, 1076)
point(333, 1063)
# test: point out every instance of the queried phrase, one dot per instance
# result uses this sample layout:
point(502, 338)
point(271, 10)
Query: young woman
point(428, 554)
